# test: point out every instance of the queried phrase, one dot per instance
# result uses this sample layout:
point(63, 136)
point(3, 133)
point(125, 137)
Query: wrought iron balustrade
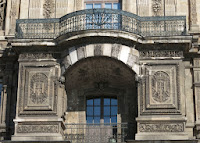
point(100, 19)
point(98, 133)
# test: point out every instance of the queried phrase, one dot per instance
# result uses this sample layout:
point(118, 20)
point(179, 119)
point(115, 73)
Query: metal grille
point(92, 19)
point(97, 133)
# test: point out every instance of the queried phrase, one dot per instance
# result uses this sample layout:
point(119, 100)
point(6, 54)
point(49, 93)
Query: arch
point(125, 54)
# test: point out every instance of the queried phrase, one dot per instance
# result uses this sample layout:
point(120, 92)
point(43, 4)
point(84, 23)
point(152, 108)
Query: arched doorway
point(101, 101)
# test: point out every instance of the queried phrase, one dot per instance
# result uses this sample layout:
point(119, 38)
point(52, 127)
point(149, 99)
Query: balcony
point(98, 133)
point(103, 19)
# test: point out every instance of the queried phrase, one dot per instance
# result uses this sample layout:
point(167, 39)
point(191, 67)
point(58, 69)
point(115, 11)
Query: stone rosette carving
point(157, 7)
point(163, 53)
point(39, 88)
point(160, 86)
point(37, 128)
point(161, 127)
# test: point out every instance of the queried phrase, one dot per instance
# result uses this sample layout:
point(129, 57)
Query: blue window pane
point(89, 6)
point(96, 102)
point(107, 110)
point(97, 5)
point(116, 6)
point(89, 119)
point(96, 119)
point(114, 110)
point(90, 111)
point(90, 102)
point(106, 119)
point(113, 101)
point(114, 119)
point(108, 5)
point(106, 101)
point(97, 111)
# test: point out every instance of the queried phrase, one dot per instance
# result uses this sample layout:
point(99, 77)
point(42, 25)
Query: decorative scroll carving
point(157, 7)
point(35, 56)
point(48, 8)
point(160, 86)
point(39, 88)
point(193, 12)
point(156, 53)
point(37, 129)
point(161, 127)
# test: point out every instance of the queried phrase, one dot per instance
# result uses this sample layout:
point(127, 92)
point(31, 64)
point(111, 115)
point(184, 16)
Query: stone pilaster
point(39, 101)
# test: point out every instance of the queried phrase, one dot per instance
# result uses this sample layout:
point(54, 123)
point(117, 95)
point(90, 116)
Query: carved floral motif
point(39, 88)
point(160, 86)
point(48, 8)
point(161, 127)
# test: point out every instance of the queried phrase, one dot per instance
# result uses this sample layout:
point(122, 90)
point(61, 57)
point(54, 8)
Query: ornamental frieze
point(160, 53)
point(161, 127)
point(37, 129)
point(35, 56)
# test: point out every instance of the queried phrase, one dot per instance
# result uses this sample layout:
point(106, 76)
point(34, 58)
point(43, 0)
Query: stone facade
point(145, 56)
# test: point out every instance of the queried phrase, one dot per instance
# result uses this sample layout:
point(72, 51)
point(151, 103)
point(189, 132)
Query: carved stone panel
point(37, 90)
point(160, 89)
point(49, 9)
point(161, 127)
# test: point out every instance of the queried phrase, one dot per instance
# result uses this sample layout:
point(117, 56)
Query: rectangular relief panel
point(160, 90)
point(37, 89)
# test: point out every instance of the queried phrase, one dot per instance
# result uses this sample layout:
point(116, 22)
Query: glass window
point(101, 109)
point(97, 5)
point(108, 5)
point(89, 6)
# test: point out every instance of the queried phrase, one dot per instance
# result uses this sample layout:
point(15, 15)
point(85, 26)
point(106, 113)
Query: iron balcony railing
point(92, 19)
point(98, 133)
